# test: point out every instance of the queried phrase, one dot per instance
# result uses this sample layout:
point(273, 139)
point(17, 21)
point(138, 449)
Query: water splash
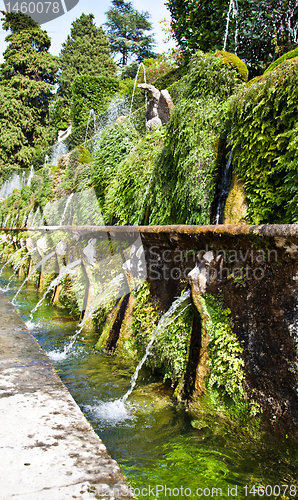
point(31, 173)
point(16, 181)
point(112, 412)
point(10, 243)
point(66, 270)
point(19, 265)
point(232, 13)
point(91, 112)
point(65, 208)
point(11, 258)
point(59, 149)
point(168, 318)
point(34, 217)
point(141, 65)
point(6, 221)
point(40, 263)
point(15, 220)
point(28, 222)
point(118, 106)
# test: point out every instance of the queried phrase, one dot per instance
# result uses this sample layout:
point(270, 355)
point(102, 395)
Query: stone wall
point(251, 271)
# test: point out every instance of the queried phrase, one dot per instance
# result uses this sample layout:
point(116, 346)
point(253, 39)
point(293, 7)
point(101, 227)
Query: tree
point(86, 51)
point(27, 77)
point(259, 31)
point(126, 29)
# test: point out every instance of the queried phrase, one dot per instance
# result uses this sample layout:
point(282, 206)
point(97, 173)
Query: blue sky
point(59, 28)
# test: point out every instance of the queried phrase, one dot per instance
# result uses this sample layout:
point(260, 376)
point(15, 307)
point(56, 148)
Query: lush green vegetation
point(86, 51)
point(91, 92)
point(27, 77)
point(225, 352)
point(259, 31)
point(287, 55)
point(185, 175)
point(264, 138)
point(114, 145)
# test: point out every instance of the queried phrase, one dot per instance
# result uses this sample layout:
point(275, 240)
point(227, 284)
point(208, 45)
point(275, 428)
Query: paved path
point(48, 450)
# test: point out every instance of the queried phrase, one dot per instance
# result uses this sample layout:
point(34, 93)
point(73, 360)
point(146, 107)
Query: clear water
point(150, 436)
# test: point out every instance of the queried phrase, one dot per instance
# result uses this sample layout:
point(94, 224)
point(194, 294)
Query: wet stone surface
point(48, 449)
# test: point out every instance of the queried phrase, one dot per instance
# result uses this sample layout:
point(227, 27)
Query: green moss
point(170, 348)
point(85, 156)
point(144, 318)
point(224, 349)
point(236, 206)
point(100, 316)
point(264, 138)
point(288, 55)
point(235, 62)
point(108, 324)
point(68, 299)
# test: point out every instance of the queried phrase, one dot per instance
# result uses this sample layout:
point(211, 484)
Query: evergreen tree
point(126, 29)
point(27, 77)
point(86, 51)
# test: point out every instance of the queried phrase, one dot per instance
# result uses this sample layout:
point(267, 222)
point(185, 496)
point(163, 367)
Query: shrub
point(185, 175)
point(91, 92)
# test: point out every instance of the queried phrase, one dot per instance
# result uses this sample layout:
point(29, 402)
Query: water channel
point(155, 441)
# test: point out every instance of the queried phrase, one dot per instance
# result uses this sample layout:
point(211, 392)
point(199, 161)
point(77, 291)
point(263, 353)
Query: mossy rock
point(235, 62)
point(236, 205)
point(289, 55)
point(85, 156)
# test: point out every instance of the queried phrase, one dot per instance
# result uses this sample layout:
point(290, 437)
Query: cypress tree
point(86, 51)
point(27, 77)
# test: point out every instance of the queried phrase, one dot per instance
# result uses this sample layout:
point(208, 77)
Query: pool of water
point(151, 437)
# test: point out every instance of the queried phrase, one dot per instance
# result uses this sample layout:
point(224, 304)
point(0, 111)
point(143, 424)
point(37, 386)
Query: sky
point(59, 28)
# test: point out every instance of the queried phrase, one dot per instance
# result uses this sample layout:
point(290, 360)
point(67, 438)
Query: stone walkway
point(48, 450)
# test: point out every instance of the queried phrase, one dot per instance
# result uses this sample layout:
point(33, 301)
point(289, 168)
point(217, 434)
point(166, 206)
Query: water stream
point(154, 440)
point(11, 258)
point(91, 112)
point(141, 65)
point(232, 13)
point(165, 321)
point(65, 208)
